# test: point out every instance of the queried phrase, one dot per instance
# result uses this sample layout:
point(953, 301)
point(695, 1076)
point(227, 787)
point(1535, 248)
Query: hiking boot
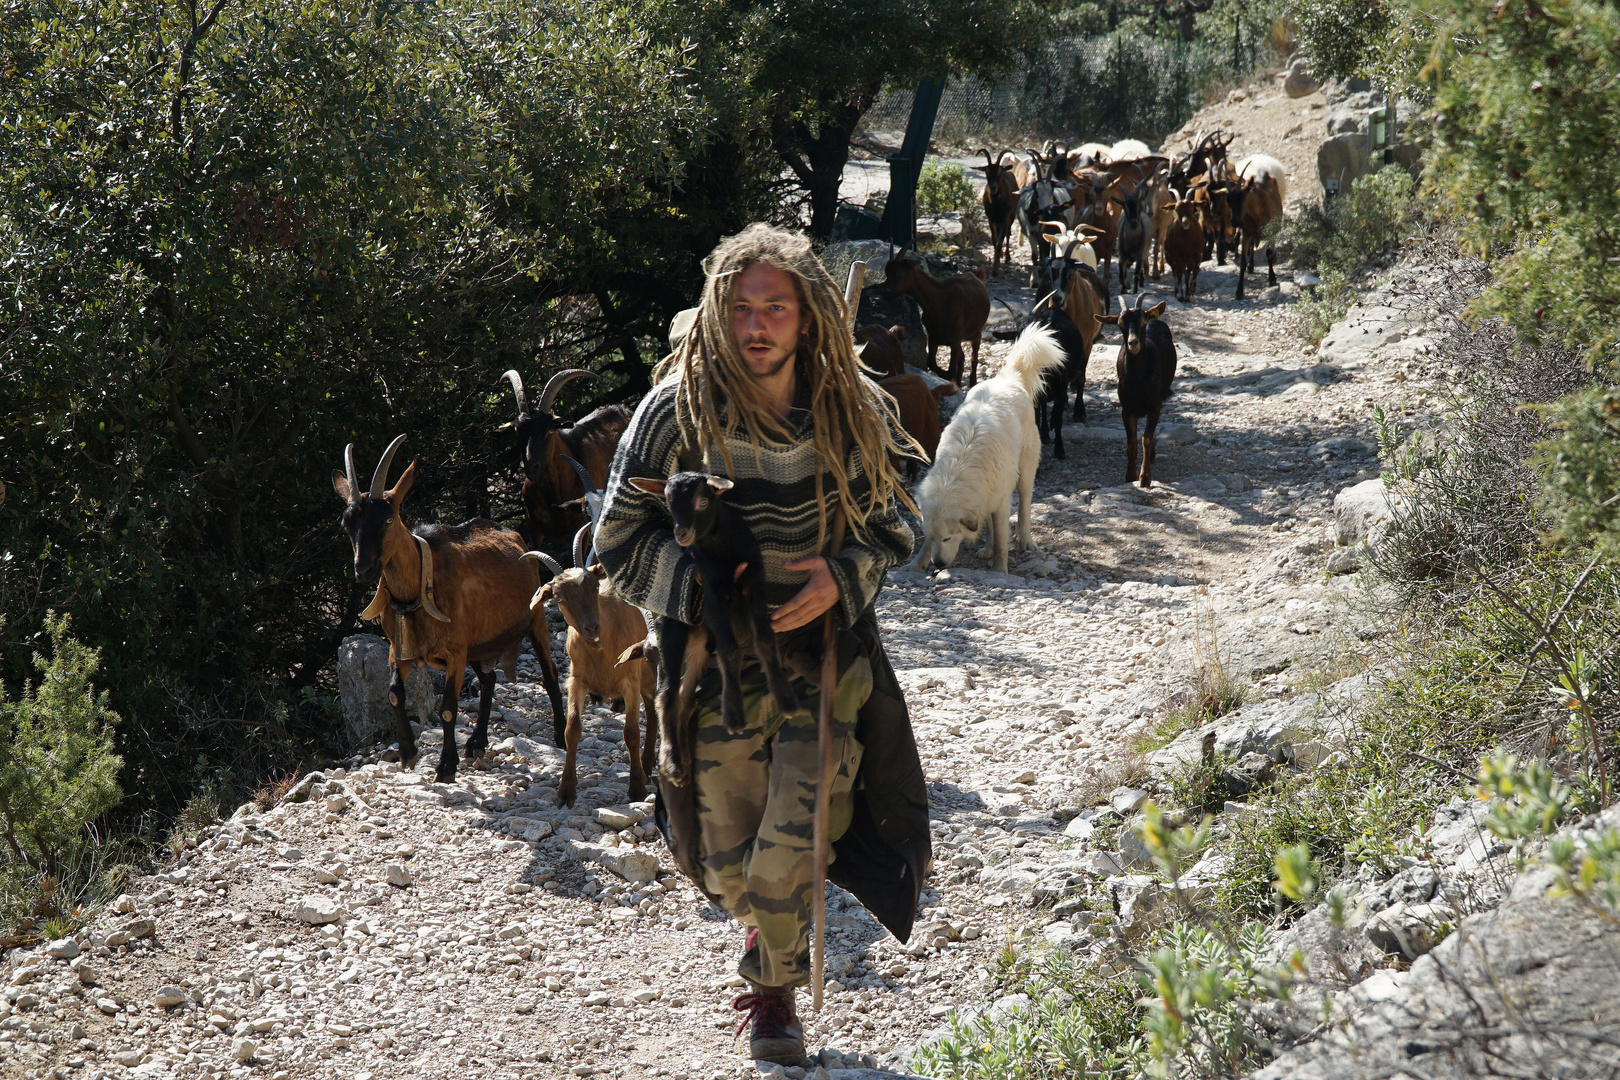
point(776, 1034)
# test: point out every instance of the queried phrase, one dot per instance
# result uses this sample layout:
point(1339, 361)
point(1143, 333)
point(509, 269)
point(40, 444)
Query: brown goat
point(1000, 200)
point(1184, 246)
point(447, 596)
point(601, 627)
point(884, 350)
point(954, 309)
point(917, 404)
point(550, 486)
point(1256, 201)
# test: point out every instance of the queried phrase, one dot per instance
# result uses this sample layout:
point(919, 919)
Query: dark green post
point(900, 212)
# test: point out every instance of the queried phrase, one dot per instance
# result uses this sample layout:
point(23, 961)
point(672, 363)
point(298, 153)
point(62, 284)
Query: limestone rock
point(1297, 83)
point(168, 996)
point(243, 1050)
point(1410, 929)
point(1127, 800)
point(65, 949)
point(397, 875)
point(635, 865)
point(1010, 878)
point(317, 910)
point(363, 677)
point(1526, 989)
point(617, 819)
point(1363, 512)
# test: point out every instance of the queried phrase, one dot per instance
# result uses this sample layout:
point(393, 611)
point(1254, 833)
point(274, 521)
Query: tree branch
point(198, 30)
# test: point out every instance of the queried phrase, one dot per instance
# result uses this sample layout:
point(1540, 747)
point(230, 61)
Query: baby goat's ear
point(1157, 309)
point(720, 483)
point(1111, 320)
point(541, 595)
point(651, 487)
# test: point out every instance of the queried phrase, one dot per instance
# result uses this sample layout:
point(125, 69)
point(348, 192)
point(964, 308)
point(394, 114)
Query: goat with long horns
point(447, 596)
point(550, 487)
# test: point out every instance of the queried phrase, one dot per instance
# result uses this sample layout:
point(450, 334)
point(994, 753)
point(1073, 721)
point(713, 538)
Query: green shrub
point(943, 187)
point(1084, 1024)
point(58, 772)
point(1371, 219)
point(58, 775)
point(1325, 305)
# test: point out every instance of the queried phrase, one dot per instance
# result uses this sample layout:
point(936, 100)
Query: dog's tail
point(1035, 352)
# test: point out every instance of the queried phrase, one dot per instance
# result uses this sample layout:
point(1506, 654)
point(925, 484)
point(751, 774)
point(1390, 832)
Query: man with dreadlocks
point(766, 390)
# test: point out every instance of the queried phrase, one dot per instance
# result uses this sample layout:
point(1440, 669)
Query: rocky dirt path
point(388, 926)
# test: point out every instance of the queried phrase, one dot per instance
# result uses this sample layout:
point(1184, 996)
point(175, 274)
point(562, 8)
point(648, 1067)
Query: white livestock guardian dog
point(990, 447)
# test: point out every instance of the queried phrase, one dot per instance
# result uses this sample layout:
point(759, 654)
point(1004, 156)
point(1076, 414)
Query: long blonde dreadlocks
point(718, 395)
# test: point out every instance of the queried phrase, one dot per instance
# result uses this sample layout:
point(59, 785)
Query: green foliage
point(234, 247)
point(1386, 41)
point(1172, 847)
point(1083, 1024)
point(1200, 989)
point(58, 772)
point(1326, 304)
point(1581, 469)
point(943, 186)
point(1525, 98)
point(1533, 803)
point(1380, 210)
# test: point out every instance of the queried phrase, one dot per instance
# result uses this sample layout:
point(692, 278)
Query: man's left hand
point(818, 594)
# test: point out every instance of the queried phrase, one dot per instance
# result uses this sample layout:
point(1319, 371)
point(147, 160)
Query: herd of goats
point(449, 596)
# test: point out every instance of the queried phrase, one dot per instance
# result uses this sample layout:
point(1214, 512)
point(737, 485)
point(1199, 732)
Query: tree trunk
point(818, 156)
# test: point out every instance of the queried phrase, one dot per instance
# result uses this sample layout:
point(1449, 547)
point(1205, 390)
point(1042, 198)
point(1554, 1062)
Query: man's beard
point(776, 368)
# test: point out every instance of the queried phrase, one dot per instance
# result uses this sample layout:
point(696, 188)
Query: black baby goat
point(729, 565)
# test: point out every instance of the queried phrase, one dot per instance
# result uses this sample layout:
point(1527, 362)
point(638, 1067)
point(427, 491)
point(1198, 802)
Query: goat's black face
point(1132, 323)
point(534, 430)
point(367, 522)
point(694, 504)
point(898, 273)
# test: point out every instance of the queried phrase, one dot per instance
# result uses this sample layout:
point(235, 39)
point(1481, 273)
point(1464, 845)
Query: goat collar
point(424, 592)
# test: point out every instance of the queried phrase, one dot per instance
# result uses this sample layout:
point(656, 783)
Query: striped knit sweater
point(775, 494)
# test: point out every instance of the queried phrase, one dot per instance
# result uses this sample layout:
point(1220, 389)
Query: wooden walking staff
point(824, 722)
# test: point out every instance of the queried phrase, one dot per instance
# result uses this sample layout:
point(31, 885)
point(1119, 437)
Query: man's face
point(766, 319)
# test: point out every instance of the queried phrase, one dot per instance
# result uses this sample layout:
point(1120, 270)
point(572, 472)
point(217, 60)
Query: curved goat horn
point(584, 477)
point(380, 477)
point(542, 557)
point(348, 468)
point(511, 376)
point(555, 384)
point(582, 544)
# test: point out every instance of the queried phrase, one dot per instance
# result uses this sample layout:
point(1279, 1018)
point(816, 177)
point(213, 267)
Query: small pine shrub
point(943, 187)
point(58, 772)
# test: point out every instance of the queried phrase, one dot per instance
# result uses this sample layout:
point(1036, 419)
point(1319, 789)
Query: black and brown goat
point(447, 596)
point(1146, 366)
point(601, 627)
point(1077, 295)
point(730, 567)
point(550, 487)
point(1000, 201)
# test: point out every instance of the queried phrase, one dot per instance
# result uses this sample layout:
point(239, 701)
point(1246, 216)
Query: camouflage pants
point(756, 793)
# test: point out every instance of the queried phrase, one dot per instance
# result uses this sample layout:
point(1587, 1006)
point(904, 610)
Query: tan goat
point(601, 627)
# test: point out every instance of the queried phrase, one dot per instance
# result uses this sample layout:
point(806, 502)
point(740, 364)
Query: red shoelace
point(771, 1013)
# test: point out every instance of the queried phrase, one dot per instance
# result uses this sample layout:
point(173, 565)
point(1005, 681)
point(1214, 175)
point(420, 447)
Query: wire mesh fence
point(1119, 85)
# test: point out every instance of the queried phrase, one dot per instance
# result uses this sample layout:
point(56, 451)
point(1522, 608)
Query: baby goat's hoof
point(447, 771)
